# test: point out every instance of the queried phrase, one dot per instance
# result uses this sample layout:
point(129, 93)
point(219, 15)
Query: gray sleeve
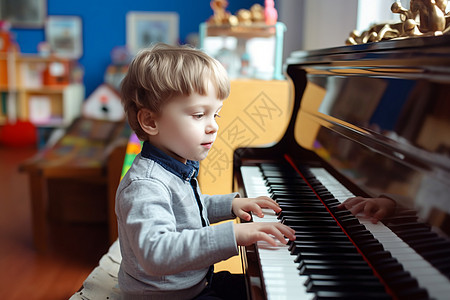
point(219, 206)
point(149, 228)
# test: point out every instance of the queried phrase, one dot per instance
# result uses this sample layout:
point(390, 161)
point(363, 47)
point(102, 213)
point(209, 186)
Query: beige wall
point(256, 114)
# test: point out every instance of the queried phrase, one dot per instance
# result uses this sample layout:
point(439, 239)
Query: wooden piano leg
point(38, 195)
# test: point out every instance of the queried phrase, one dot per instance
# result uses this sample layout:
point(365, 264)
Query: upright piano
point(368, 120)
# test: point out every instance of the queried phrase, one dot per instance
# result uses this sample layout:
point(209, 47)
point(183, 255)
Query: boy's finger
point(269, 204)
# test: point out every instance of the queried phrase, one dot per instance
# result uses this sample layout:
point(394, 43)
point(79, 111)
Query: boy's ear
point(147, 120)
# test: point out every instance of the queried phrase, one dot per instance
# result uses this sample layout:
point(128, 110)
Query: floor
point(75, 249)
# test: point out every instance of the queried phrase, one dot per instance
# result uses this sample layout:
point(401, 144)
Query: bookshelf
point(42, 90)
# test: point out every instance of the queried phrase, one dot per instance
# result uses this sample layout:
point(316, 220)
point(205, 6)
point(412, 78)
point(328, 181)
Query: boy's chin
point(201, 157)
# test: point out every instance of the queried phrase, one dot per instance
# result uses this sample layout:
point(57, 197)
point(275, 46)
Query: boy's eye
point(198, 116)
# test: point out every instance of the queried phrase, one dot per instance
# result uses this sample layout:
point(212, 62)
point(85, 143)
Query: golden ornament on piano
point(424, 18)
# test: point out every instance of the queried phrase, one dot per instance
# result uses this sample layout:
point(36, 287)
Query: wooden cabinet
point(39, 89)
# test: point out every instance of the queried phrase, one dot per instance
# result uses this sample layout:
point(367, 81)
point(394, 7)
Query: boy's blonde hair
point(162, 72)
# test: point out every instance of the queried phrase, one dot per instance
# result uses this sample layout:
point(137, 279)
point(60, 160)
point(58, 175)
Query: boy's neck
point(167, 151)
point(185, 171)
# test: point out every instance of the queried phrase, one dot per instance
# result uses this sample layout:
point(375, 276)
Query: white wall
point(290, 12)
point(372, 12)
point(316, 24)
point(328, 22)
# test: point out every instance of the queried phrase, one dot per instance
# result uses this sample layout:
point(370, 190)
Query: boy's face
point(187, 126)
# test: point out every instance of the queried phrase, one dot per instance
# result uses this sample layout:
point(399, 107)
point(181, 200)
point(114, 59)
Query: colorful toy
point(270, 13)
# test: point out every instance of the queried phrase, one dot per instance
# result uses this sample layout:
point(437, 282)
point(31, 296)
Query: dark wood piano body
point(377, 117)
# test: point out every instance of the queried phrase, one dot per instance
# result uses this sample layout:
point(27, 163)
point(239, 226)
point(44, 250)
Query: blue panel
point(104, 27)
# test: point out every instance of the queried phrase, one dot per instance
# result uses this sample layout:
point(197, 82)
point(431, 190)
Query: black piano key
point(280, 174)
point(298, 203)
point(399, 219)
point(312, 222)
point(289, 195)
point(412, 294)
point(362, 236)
point(344, 286)
point(401, 282)
point(349, 295)
point(350, 262)
point(418, 235)
point(429, 244)
point(307, 215)
point(321, 248)
point(390, 267)
point(411, 231)
point(342, 213)
point(443, 263)
point(276, 188)
point(311, 207)
point(348, 220)
point(329, 237)
point(322, 242)
point(278, 167)
point(369, 247)
point(395, 278)
point(326, 196)
point(335, 269)
point(341, 277)
point(321, 233)
point(436, 254)
point(295, 200)
point(333, 206)
point(281, 180)
point(304, 214)
point(352, 229)
point(300, 243)
point(316, 228)
point(331, 202)
point(338, 256)
point(377, 255)
point(406, 227)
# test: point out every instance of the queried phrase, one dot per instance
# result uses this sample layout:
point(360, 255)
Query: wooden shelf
point(38, 89)
point(241, 31)
point(32, 58)
point(35, 90)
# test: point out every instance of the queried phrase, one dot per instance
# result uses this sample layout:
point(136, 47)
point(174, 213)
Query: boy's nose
point(212, 127)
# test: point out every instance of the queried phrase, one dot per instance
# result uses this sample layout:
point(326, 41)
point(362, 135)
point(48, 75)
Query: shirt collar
point(184, 171)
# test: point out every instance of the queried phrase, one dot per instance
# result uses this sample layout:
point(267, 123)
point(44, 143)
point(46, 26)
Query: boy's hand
point(375, 208)
point(242, 206)
point(249, 233)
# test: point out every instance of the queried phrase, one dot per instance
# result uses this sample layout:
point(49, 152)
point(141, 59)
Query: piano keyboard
point(285, 276)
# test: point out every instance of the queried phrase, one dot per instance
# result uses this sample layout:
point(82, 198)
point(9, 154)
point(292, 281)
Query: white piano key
point(282, 280)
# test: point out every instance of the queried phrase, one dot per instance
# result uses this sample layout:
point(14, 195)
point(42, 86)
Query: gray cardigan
point(165, 247)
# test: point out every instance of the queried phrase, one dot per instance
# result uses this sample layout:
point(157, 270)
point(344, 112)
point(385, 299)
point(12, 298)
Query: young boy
point(172, 97)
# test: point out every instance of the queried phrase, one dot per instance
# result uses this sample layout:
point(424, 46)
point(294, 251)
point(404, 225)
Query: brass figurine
point(424, 18)
point(245, 17)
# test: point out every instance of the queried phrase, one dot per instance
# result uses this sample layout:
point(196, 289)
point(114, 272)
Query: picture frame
point(24, 13)
point(64, 34)
point(144, 29)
